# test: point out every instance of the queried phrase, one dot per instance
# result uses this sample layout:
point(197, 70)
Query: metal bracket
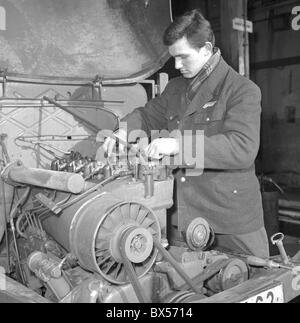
point(3, 75)
point(49, 204)
point(5, 172)
point(97, 84)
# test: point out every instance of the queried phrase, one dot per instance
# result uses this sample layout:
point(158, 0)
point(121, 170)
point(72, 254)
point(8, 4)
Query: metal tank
point(84, 55)
point(75, 40)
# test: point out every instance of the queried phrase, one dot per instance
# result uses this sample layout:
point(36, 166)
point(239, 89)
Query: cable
point(5, 223)
point(19, 230)
point(171, 12)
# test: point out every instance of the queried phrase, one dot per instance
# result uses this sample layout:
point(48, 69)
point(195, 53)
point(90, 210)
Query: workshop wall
point(275, 57)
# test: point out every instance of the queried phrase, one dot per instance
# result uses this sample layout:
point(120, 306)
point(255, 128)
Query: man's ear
point(209, 47)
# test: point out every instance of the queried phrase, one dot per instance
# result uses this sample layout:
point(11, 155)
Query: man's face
point(188, 60)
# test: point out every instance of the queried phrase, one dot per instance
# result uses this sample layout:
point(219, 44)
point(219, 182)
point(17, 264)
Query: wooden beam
point(275, 63)
point(289, 204)
point(234, 43)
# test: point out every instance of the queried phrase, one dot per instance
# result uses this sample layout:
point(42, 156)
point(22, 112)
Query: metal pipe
point(290, 213)
point(13, 77)
point(286, 219)
point(12, 226)
point(62, 181)
point(4, 149)
point(286, 204)
point(20, 203)
point(88, 123)
point(5, 223)
point(4, 85)
point(19, 230)
point(69, 102)
point(149, 185)
point(38, 106)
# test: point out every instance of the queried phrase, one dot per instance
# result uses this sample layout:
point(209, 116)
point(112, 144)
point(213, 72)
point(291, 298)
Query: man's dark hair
point(193, 26)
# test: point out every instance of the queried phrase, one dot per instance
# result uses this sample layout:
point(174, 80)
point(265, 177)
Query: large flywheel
point(132, 226)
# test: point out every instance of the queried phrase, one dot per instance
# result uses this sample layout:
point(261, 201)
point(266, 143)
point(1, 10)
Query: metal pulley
point(132, 225)
point(233, 274)
point(199, 234)
point(138, 244)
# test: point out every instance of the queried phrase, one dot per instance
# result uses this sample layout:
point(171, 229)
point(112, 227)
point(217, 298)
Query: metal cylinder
point(62, 181)
point(85, 226)
point(149, 185)
point(76, 228)
point(107, 171)
point(92, 228)
point(48, 270)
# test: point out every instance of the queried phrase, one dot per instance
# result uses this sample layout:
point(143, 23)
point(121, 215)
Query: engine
point(86, 231)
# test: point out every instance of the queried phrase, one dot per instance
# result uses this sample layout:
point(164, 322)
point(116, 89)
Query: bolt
point(56, 272)
point(235, 277)
point(137, 244)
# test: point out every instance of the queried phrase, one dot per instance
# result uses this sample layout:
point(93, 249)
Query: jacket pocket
point(209, 113)
point(238, 191)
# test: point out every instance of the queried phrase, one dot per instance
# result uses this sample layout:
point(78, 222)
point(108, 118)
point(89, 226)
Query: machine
point(75, 228)
point(105, 238)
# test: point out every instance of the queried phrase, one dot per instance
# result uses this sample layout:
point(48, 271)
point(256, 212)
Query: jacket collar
point(209, 90)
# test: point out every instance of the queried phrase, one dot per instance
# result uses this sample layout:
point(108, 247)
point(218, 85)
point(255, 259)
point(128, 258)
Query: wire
point(171, 12)
point(5, 223)
point(19, 230)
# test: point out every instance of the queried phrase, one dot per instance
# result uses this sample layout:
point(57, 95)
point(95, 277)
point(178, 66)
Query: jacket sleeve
point(153, 116)
point(236, 146)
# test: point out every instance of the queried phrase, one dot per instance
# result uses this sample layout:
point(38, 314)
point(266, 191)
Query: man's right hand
point(110, 142)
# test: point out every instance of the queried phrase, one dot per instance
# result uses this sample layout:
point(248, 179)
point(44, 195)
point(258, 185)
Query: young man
point(212, 97)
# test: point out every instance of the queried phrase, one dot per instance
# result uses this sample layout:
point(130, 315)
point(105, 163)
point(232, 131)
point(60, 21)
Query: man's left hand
point(162, 147)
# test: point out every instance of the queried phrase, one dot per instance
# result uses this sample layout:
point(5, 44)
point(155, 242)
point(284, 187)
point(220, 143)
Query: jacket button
point(208, 119)
point(182, 179)
point(178, 122)
point(171, 118)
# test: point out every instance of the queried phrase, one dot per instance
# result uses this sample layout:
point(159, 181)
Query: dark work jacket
point(227, 107)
